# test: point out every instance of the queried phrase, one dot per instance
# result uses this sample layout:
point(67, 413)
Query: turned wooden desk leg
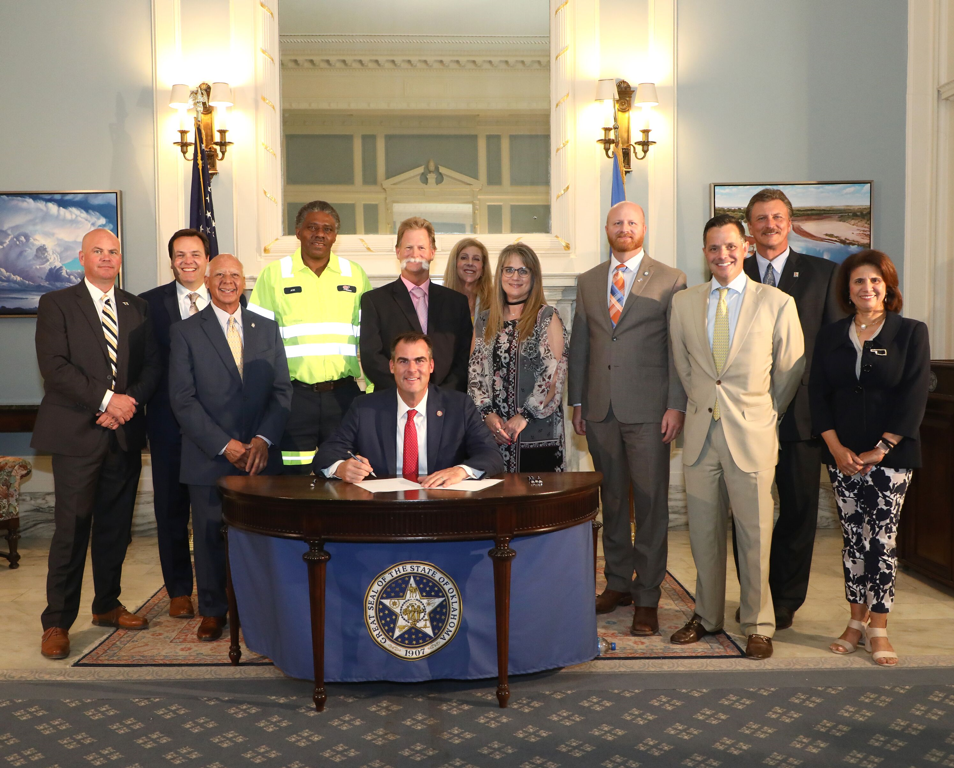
point(235, 650)
point(596, 535)
point(502, 555)
point(316, 557)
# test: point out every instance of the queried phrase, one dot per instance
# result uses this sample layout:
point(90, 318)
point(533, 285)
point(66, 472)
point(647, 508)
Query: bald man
point(99, 362)
point(629, 403)
point(231, 394)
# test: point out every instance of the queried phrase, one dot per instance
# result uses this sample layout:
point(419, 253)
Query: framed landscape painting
point(832, 219)
point(40, 238)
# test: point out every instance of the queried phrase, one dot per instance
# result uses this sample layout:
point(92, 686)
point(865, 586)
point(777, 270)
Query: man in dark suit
point(99, 362)
point(183, 297)
point(811, 282)
point(420, 430)
point(414, 303)
point(230, 391)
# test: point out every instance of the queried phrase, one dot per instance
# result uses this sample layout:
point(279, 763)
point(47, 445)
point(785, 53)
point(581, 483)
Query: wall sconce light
point(203, 99)
point(618, 98)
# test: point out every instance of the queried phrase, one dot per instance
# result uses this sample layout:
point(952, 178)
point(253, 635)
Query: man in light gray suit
point(628, 401)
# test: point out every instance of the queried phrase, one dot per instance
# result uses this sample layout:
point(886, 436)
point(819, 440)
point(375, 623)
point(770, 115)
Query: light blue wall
point(77, 114)
point(802, 90)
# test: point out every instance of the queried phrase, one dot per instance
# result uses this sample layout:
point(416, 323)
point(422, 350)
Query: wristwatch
point(885, 446)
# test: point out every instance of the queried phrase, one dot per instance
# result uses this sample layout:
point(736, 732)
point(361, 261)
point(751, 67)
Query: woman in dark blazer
point(868, 391)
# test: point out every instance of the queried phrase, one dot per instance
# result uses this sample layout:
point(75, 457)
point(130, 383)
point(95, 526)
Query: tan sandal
point(846, 647)
point(878, 655)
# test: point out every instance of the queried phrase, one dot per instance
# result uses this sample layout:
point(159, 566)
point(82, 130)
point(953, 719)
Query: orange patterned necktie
point(617, 294)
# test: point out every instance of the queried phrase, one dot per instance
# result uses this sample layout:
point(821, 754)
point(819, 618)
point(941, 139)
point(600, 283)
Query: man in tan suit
point(739, 351)
point(628, 401)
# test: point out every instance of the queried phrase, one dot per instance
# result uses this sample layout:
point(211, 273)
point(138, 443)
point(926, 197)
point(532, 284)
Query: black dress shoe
point(784, 617)
point(692, 632)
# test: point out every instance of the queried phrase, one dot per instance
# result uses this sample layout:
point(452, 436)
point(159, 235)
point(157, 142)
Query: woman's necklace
point(864, 326)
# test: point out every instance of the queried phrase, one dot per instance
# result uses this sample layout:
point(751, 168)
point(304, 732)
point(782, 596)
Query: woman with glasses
point(518, 366)
point(468, 272)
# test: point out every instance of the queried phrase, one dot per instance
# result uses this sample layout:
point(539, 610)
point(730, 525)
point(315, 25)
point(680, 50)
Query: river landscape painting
point(832, 219)
point(40, 238)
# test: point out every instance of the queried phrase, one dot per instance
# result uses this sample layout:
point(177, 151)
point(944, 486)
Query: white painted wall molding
point(661, 216)
point(929, 172)
point(170, 168)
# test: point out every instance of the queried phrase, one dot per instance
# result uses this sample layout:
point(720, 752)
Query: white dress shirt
point(182, 297)
point(98, 301)
point(223, 317)
point(420, 423)
point(778, 264)
point(629, 275)
point(734, 301)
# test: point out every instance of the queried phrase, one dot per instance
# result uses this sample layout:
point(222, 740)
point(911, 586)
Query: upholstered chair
point(12, 471)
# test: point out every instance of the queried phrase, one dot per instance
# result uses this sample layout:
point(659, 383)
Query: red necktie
point(410, 448)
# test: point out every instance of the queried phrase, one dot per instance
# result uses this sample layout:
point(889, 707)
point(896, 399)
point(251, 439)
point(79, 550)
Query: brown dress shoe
point(758, 647)
point(645, 622)
point(181, 607)
point(55, 643)
point(210, 628)
point(692, 632)
point(607, 601)
point(120, 618)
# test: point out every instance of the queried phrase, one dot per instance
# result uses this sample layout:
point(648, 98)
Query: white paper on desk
point(470, 485)
point(388, 485)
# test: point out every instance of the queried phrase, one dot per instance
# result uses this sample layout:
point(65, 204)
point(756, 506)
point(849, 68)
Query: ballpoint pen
point(363, 462)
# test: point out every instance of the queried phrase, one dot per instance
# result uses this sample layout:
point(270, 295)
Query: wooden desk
point(333, 511)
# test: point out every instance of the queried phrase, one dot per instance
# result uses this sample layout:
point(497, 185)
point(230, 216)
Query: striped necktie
point(111, 332)
point(616, 294)
point(720, 341)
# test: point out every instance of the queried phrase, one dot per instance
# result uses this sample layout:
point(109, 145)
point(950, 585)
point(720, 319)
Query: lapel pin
point(639, 279)
point(126, 303)
point(253, 325)
point(794, 274)
point(440, 413)
point(645, 273)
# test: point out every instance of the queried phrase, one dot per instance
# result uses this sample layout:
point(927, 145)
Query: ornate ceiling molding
point(414, 52)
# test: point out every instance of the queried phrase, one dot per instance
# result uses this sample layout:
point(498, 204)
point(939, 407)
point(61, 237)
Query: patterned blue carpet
point(867, 718)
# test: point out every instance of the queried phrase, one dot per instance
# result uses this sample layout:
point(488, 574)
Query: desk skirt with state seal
point(412, 611)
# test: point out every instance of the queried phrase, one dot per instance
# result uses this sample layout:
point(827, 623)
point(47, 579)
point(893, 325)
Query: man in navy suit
point(183, 297)
point(414, 303)
point(230, 391)
point(419, 430)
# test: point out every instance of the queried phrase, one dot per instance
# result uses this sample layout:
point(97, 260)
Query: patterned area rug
point(172, 642)
point(675, 609)
point(167, 642)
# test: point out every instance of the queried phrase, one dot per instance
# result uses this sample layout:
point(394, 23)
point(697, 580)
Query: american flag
point(201, 213)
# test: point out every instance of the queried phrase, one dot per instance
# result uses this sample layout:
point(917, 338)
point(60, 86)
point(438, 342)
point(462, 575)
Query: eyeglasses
point(522, 271)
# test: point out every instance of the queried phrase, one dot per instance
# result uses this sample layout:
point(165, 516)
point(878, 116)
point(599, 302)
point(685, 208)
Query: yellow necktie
point(235, 344)
point(720, 341)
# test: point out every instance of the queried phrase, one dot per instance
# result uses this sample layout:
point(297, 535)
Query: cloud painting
point(40, 238)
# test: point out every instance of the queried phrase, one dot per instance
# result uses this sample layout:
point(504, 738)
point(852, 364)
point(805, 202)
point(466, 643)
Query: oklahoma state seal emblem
point(412, 610)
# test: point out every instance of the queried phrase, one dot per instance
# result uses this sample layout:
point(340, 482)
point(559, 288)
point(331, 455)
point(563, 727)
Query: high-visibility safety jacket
point(319, 317)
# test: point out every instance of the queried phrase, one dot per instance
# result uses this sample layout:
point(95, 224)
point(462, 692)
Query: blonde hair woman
point(468, 272)
point(518, 366)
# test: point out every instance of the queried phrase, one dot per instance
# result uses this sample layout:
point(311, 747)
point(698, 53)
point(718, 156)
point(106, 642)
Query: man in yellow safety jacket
point(315, 297)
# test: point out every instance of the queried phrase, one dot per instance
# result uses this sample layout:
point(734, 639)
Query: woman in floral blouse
point(518, 366)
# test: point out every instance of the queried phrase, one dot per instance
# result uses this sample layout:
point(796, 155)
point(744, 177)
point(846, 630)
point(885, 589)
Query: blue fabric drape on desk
point(552, 621)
